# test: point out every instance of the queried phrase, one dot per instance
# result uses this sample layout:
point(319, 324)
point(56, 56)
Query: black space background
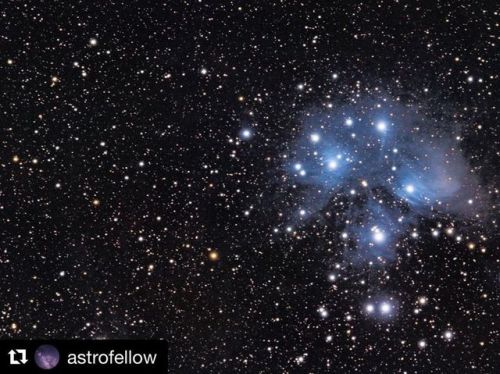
point(221, 316)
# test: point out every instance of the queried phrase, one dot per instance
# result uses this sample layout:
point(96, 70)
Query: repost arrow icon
point(13, 361)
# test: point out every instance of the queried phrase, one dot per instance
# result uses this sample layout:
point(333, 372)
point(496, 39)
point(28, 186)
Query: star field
point(276, 186)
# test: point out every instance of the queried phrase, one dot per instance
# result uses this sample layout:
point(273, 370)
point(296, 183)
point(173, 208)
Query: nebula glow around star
point(403, 168)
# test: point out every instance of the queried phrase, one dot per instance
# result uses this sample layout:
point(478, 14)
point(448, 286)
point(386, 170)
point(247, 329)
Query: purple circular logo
point(47, 357)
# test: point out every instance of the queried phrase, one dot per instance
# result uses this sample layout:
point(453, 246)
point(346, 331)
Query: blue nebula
point(393, 163)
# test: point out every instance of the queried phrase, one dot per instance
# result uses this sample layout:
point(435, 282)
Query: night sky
point(270, 186)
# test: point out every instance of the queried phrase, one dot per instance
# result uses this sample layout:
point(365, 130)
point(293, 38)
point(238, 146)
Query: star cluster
point(273, 186)
point(390, 163)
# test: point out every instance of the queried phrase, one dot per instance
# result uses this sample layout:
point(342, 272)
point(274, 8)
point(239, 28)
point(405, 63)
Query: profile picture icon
point(47, 357)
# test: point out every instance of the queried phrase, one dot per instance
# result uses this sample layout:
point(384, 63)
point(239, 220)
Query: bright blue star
point(246, 133)
point(381, 126)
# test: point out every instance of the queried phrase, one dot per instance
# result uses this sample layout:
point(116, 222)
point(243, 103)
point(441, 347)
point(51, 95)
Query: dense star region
point(271, 187)
point(388, 165)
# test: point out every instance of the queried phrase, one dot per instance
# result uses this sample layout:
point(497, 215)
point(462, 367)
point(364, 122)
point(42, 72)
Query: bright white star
point(315, 138)
point(381, 126)
point(378, 235)
point(323, 312)
point(332, 165)
point(385, 308)
point(422, 344)
point(246, 133)
point(448, 335)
